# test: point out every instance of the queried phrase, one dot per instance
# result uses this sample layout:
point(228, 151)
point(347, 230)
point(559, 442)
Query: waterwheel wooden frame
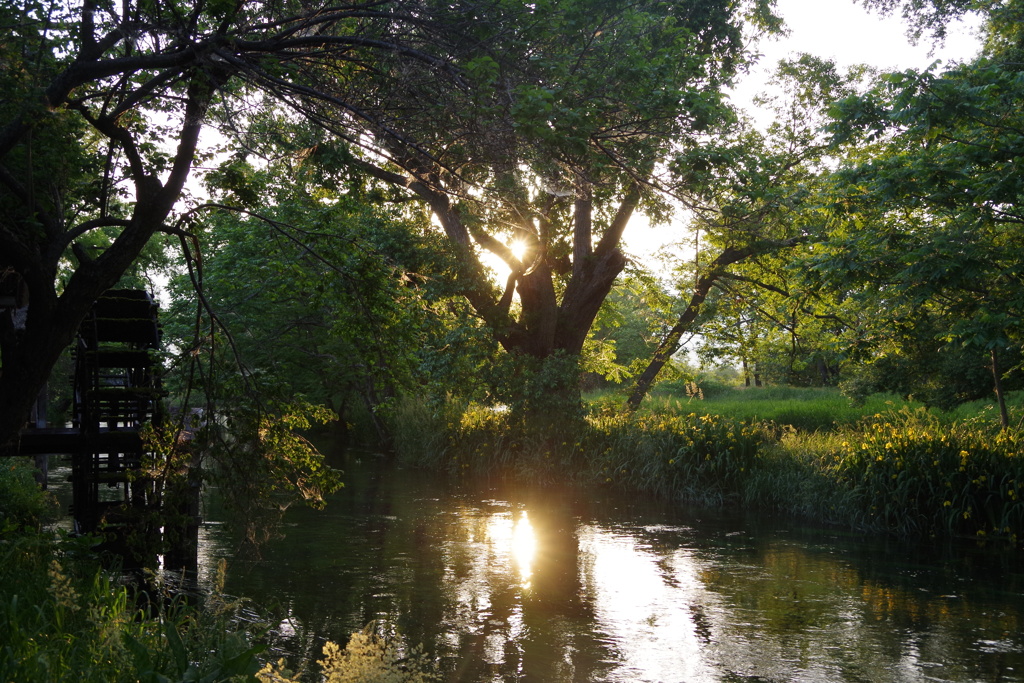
point(117, 390)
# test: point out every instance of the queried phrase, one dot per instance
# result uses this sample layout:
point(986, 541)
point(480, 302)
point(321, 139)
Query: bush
point(689, 457)
point(23, 505)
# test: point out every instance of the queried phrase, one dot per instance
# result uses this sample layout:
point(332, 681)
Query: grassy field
point(804, 409)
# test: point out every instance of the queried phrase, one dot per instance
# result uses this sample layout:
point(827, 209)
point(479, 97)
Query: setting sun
point(518, 248)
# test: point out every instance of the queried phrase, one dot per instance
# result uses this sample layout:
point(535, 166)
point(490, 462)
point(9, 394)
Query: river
point(516, 583)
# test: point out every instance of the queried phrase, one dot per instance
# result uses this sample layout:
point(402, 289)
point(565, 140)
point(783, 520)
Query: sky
point(850, 34)
point(840, 30)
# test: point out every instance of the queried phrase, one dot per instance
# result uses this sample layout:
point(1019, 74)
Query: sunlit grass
point(813, 409)
point(806, 409)
point(884, 466)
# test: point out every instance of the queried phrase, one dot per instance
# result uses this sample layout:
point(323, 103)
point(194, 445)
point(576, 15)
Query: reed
point(903, 472)
point(697, 458)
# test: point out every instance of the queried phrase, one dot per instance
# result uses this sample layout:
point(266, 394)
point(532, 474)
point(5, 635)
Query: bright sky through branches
point(848, 33)
point(845, 32)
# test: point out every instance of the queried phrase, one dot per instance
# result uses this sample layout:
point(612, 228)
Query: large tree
point(324, 290)
point(100, 122)
point(569, 115)
point(927, 211)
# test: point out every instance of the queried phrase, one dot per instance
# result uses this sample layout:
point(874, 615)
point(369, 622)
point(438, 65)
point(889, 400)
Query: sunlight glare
point(518, 249)
point(524, 547)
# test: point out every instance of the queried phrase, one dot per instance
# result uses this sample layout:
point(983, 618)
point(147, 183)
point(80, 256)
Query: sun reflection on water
point(513, 542)
point(540, 588)
point(524, 547)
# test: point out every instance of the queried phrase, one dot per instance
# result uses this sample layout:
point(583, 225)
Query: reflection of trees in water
point(560, 643)
point(796, 604)
point(442, 570)
point(521, 618)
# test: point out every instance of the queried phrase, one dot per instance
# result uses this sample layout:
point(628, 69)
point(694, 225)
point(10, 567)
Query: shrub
point(23, 505)
point(910, 474)
point(64, 618)
point(367, 658)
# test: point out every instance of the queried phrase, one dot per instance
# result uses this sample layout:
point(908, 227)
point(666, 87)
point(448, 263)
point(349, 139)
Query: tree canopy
point(371, 154)
point(547, 122)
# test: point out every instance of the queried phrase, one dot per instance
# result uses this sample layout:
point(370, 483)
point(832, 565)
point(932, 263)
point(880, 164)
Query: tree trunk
point(670, 343)
point(52, 322)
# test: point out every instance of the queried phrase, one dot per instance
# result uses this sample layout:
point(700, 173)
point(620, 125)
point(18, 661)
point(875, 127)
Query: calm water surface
point(526, 584)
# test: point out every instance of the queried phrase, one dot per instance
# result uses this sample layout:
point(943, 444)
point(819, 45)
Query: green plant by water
point(65, 617)
point(901, 470)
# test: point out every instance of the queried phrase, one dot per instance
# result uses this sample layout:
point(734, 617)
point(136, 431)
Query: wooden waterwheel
point(116, 392)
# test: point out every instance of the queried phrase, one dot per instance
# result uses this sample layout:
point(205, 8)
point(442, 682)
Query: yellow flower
point(947, 504)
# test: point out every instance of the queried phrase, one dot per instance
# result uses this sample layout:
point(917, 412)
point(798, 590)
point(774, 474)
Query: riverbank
point(66, 616)
point(905, 472)
point(902, 472)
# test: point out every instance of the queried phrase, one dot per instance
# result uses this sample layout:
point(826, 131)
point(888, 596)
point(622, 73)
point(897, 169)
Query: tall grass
point(702, 458)
point(904, 472)
point(63, 618)
point(910, 473)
